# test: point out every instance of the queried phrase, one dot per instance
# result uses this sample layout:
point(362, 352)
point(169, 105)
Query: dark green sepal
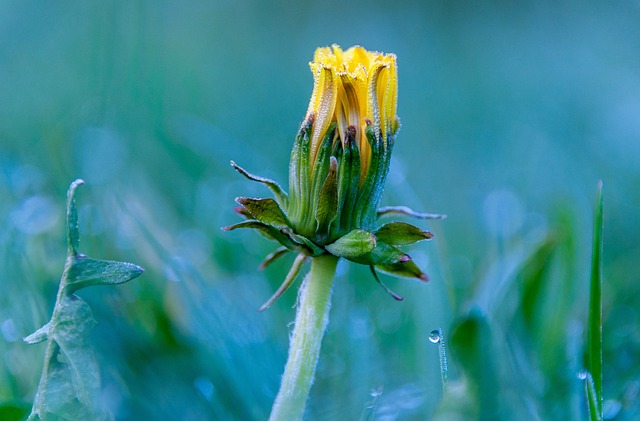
point(267, 231)
point(406, 269)
point(327, 209)
point(401, 233)
point(83, 271)
point(265, 210)
point(280, 194)
point(406, 211)
point(309, 247)
point(353, 245)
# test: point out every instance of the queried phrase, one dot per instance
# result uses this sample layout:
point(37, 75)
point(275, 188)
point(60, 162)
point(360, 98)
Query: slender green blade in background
point(594, 346)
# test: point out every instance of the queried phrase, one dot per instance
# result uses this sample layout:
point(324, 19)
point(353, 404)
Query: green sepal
point(373, 184)
point(348, 183)
point(267, 231)
point(401, 233)
point(273, 256)
point(405, 269)
point(291, 276)
point(327, 209)
point(83, 272)
point(242, 212)
point(265, 210)
point(406, 211)
point(312, 249)
point(386, 288)
point(279, 193)
point(299, 172)
point(353, 245)
point(382, 254)
point(319, 174)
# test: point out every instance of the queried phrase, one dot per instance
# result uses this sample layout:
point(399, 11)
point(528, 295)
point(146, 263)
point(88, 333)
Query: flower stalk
point(314, 302)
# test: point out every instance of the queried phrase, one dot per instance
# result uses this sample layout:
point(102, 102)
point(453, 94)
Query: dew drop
point(434, 336)
point(582, 375)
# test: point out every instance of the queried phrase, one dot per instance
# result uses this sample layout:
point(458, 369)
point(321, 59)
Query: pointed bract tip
point(423, 277)
point(405, 258)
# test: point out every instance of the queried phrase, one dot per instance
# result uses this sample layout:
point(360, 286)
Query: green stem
point(314, 301)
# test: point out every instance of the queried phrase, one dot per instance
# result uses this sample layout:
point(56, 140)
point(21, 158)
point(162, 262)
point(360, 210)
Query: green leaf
point(355, 244)
point(403, 210)
point(401, 233)
point(594, 349)
point(70, 381)
point(265, 210)
point(280, 194)
point(73, 236)
point(406, 269)
point(69, 386)
point(84, 271)
point(39, 335)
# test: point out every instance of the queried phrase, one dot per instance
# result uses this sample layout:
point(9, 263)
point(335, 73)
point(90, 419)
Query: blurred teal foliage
point(510, 114)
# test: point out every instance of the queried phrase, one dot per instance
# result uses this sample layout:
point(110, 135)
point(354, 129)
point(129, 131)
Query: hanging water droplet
point(434, 336)
point(582, 375)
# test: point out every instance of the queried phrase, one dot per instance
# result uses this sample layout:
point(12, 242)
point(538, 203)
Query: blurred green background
point(511, 113)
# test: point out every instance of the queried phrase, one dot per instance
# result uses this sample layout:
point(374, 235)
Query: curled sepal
point(405, 269)
point(404, 210)
point(291, 276)
point(280, 194)
point(84, 271)
point(273, 256)
point(401, 233)
point(353, 245)
point(73, 236)
point(386, 288)
point(265, 210)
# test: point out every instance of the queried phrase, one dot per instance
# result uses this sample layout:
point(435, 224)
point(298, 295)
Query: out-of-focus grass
point(510, 116)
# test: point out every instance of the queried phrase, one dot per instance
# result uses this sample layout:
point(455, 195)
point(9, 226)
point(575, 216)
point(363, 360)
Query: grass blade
point(594, 345)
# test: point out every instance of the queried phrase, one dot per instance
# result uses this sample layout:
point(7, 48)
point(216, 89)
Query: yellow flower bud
point(353, 88)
